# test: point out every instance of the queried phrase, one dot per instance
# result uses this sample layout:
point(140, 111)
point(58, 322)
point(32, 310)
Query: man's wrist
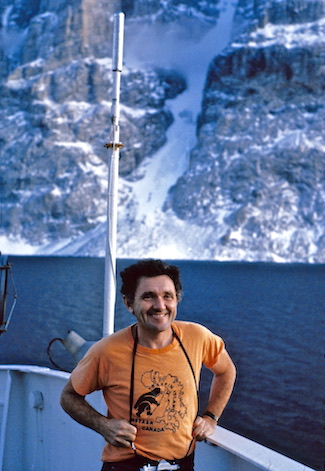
point(211, 415)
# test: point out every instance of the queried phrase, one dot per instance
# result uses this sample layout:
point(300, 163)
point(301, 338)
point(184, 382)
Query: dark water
point(270, 316)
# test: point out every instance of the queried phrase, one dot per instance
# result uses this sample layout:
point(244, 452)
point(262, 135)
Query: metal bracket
point(115, 145)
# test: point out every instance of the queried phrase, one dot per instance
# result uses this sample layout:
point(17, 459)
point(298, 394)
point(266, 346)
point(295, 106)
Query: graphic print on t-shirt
point(161, 407)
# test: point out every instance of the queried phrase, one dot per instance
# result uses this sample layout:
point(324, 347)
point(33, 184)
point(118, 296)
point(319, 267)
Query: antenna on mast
point(112, 193)
point(75, 344)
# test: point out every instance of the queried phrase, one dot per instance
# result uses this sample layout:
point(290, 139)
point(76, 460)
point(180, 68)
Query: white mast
point(112, 193)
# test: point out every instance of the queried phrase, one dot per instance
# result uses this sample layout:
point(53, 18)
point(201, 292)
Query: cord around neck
point(134, 352)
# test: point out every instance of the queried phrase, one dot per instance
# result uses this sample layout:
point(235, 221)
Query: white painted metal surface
point(112, 191)
point(37, 435)
point(234, 452)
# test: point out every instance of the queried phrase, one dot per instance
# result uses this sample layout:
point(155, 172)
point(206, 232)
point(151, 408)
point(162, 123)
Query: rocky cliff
point(254, 185)
point(55, 116)
point(259, 161)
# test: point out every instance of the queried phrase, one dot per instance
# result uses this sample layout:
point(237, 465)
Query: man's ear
point(128, 304)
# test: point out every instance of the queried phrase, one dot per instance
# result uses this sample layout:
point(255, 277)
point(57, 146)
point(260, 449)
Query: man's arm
point(117, 432)
point(224, 375)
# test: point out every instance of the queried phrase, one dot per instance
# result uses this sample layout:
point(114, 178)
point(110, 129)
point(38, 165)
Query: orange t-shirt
point(164, 399)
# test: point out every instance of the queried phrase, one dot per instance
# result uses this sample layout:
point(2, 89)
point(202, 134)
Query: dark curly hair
point(148, 268)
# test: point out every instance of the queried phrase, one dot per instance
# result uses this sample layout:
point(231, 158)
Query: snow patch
point(191, 58)
point(17, 246)
point(288, 35)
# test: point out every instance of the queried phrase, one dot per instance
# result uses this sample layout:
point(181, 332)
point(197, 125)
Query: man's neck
point(154, 340)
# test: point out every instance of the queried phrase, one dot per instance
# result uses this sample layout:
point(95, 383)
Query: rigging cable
point(48, 350)
point(5, 271)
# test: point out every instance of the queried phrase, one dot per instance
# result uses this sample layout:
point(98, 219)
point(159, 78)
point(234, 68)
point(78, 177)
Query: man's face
point(155, 303)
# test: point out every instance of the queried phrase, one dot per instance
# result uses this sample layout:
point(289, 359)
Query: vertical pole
point(112, 193)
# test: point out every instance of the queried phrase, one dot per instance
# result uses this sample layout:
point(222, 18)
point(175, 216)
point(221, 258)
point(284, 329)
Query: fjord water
point(270, 316)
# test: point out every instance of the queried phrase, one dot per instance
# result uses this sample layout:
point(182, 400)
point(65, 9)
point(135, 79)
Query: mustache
point(152, 311)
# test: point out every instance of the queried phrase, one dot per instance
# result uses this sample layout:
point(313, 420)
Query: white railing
point(228, 451)
point(37, 435)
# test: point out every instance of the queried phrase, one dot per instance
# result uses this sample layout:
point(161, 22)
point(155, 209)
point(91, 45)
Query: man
point(149, 374)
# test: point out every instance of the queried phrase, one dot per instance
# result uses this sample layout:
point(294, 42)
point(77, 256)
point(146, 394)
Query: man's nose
point(159, 303)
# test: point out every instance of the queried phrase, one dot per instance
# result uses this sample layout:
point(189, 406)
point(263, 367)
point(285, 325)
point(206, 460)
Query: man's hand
point(203, 427)
point(119, 433)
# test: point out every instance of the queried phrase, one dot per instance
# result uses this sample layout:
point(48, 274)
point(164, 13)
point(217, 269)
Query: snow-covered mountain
point(222, 122)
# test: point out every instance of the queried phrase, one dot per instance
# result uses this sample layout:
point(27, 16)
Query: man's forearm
point(118, 432)
point(220, 391)
point(80, 410)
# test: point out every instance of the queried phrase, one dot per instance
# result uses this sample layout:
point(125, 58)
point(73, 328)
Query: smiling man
point(149, 374)
point(155, 307)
